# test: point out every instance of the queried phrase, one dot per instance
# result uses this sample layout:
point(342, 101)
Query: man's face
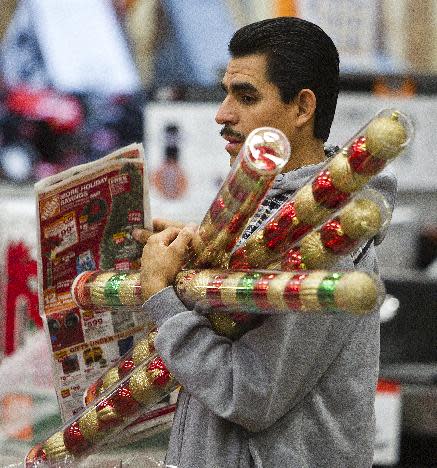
point(251, 101)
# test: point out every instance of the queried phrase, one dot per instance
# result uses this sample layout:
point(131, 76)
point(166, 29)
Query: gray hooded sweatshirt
point(298, 391)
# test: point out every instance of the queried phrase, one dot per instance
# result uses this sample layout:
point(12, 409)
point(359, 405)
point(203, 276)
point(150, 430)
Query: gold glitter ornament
point(97, 288)
point(275, 292)
point(343, 176)
point(223, 324)
point(361, 219)
point(307, 209)
point(129, 291)
point(89, 425)
point(110, 378)
point(308, 291)
point(141, 386)
point(142, 351)
point(314, 254)
point(385, 136)
point(54, 447)
point(228, 289)
point(356, 292)
point(257, 253)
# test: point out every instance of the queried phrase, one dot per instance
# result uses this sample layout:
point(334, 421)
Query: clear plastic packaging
point(267, 291)
point(263, 155)
point(361, 219)
point(111, 412)
point(367, 153)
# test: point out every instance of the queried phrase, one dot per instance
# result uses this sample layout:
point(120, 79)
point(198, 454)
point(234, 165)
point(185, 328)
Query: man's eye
point(246, 99)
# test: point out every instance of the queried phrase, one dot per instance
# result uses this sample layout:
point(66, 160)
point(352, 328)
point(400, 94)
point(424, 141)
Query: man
point(298, 391)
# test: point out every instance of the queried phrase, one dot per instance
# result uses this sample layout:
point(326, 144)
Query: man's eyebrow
point(241, 87)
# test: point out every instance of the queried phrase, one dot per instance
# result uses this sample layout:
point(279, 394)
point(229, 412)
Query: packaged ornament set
point(286, 266)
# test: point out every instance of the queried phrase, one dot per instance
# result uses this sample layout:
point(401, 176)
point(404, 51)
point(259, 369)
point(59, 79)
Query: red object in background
point(63, 113)
point(21, 286)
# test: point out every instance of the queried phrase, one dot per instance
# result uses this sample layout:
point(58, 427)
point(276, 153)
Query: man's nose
point(226, 114)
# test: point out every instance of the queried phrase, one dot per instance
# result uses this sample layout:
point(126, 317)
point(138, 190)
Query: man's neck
point(311, 152)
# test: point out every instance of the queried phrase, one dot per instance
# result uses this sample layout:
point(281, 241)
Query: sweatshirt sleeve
point(257, 379)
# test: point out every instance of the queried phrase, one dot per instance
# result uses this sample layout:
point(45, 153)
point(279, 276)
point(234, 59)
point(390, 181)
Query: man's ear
point(305, 102)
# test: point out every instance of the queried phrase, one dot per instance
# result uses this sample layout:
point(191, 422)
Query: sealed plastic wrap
point(366, 154)
point(265, 291)
point(263, 155)
point(122, 403)
point(355, 224)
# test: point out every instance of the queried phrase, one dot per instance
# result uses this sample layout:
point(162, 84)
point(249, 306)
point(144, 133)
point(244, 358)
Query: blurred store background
point(80, 78)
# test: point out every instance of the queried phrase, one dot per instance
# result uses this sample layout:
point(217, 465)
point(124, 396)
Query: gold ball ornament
point(89, 425)
point(129, 291)
point(361, 219)
point(97, 289)
point(275, 291)
point(343, 176)
point(308, 291)
point(307, 209)
point(356, 292)
point(142, 351)
point(110, 378)
point(141, 386)
point(54, 447)
point(313, 252)
point(385, 136)
point(229, 288)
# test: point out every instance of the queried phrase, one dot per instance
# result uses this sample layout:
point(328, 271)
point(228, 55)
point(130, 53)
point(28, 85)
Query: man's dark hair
point(299, 55)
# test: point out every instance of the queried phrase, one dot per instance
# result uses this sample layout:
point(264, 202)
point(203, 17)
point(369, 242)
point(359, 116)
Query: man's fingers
point(160, 224)
point(183, 240)
point(141, 235)
point(164, 237)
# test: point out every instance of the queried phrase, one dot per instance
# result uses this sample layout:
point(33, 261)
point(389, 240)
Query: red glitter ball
point(286, 215)
point(123, 401)
point(272, 230)
point(361, 161)
point(326, 194)
point(93, 391)
point(334, 239)
point(35, 456)
point(74, 441)
point(235, 223)
point(292, 289)
point(292, 260)
point(239, 260)
point(161, 377)
point(125, 367)
point(260, 291)
point(217, 208)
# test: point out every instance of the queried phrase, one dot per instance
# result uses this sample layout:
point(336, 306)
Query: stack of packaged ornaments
point(283, 267)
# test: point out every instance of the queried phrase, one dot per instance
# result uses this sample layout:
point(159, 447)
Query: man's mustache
point(232, 133)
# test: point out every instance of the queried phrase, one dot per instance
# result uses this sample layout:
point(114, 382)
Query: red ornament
point(161, 375)
point(262, 161)
point(326, 194)
point(93, 391)
point(334, 239)
point(361, 161)
point(123, 401)
point(126, 366)
point(236, 223)
point(74, 441)
point(292, 289)
point(35, 456)
point(217, 208)
point(213, 290)
point(292, 260)
point(273, 235)
point(260, 290)
point(239, 260)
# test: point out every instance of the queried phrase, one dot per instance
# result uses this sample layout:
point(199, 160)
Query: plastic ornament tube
point(361, 219)
point(111, 412)
point(362, 157)
point(263, 155)
point(267, 291)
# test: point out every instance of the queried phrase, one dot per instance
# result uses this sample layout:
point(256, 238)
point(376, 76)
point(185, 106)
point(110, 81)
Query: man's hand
point(159, 224)
point(163, 257)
